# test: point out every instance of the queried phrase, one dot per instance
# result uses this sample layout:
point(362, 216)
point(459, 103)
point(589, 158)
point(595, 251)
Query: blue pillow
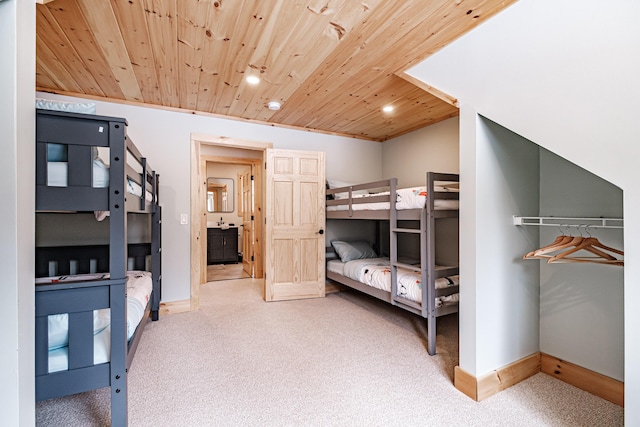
point(56, 152)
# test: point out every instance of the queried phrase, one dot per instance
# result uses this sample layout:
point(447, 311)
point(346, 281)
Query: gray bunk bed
point(80, 297)
point(380, 205)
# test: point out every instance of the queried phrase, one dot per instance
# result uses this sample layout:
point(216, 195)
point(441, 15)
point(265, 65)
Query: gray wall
point(581, 305)
point(435, 148)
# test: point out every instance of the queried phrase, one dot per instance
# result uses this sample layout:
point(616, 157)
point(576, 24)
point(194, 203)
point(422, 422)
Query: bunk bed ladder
point(393, 240)
point(428, 262)
point(426, 268)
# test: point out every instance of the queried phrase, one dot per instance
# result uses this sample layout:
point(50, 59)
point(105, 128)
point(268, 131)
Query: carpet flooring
point(344, 360)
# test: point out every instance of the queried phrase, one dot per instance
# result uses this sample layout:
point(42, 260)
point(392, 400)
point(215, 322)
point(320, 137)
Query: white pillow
point(348, 251)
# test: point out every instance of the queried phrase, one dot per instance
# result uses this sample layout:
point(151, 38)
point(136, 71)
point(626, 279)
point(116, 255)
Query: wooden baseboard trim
point(585, 379)
point(173, 307)
point(465, 382)
point(489, 384)
point(597, 384)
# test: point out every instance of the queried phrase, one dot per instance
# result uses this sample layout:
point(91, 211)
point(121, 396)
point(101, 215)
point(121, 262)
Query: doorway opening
point(226, 210)
point(230, 205)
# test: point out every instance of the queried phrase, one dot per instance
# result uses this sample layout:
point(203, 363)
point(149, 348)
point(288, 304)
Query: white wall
point(17, 189)
point(164, 137)
point(563, 75)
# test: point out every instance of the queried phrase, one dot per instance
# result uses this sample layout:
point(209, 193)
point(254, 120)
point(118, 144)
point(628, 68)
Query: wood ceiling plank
point(43, 79)
point(371, 97)
point(163, 34)
point(55, 39)
point(192, 17)
point(291, 59)
point(461, 17)
point(331, 62)
point(416, 119)
point(388, 31)
point(70, 19)
point(308, 61)
point(104, 26)
point(54, 68)
point(430, 89)
point(272, 52)
point(234, 28)
point(217, 48)
point(370, 108)
point(130, 14)
point(259, 39)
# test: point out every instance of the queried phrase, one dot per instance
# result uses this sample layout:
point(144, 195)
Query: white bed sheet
point(72, 107)
point(376, 272)
point(57, 176)
point(139, 287)
point(406, 198)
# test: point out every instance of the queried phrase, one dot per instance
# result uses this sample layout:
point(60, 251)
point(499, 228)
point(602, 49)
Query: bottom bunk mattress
point(376, 272)
point(139, 287)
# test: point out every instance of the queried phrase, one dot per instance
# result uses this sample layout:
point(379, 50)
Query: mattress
point(376, 272)
point(72, 107)
point(406, 198)
point(57, 176)
point(139, 287)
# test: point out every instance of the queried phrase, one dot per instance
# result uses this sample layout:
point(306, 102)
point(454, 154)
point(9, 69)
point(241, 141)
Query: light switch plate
point(184, 219)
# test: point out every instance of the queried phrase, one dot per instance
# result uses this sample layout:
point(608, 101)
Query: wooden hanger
point(574, 244)
point(594, 246)
point(561, 239)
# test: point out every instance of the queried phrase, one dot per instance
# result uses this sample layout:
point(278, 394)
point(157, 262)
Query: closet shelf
point(556, 221)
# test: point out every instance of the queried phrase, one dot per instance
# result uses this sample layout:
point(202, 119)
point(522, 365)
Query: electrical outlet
point(184, 219)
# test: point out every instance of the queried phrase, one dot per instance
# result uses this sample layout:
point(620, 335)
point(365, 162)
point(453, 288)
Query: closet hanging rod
point(556, 221)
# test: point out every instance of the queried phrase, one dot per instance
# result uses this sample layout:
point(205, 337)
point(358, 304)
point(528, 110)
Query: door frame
point(198, 209)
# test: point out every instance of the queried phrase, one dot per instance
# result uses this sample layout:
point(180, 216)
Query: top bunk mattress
point(406, 198)
point(57, 176)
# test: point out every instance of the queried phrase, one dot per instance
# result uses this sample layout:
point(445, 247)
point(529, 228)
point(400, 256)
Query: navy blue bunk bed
point(79, 134)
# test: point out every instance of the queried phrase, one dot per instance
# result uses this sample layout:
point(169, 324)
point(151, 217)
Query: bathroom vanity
point(222, 245)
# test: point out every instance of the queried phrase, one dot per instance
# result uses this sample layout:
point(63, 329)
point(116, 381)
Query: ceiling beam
point(430, 89)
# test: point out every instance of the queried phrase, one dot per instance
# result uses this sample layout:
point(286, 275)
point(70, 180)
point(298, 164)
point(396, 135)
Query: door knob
point(321, 231)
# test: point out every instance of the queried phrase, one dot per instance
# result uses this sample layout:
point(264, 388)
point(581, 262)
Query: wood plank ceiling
point(332, 64)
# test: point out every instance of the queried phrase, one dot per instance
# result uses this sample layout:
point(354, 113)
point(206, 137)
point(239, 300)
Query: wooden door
point(248, 229)
point(295, 240)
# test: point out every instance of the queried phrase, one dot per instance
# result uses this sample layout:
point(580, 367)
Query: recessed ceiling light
point(274, 105)
point(387, 108)
point(253, 80)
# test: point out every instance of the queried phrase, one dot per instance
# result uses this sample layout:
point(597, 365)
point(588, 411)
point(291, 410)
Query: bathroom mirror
point(220, 193)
